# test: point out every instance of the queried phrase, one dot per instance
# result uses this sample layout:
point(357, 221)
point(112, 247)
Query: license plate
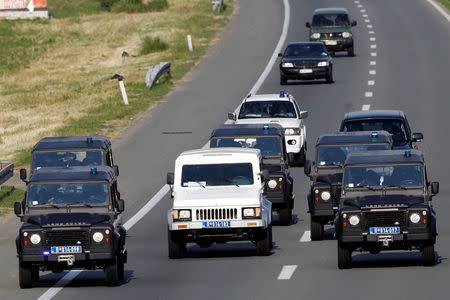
point(65, 249)
point(384, 230)
point(217, 224)
point(305, 71)
point(331, 43)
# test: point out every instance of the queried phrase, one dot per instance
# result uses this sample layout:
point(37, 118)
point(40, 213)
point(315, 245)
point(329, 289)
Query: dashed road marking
point(363, 10)
point(367, 20)
point(371, 32)
point(368, 94)
point(286, 272)
point(373, 39)
point(371, 82)
point(373, 54)
point(373, 63)
point(356, 2)
point(365, 16)
point(369, 26)
point(366, 107)
point(306, 237)
point(374, 46)
point(372, 72)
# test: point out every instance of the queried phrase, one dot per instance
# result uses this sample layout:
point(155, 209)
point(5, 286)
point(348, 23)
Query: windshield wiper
point(365, 186)
point(229, 181)
point(397, 186)
point(333, 164)
point(50, 204)
point(193, 180)
point(79, 202)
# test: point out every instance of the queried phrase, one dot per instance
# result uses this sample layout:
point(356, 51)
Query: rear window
point(396, 127)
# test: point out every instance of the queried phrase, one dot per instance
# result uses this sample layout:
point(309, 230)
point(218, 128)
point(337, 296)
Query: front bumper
point(294, 73)
point(294, 143)
point(366, 239)
point(202, 225)
point(336, 44)
point(55, 258)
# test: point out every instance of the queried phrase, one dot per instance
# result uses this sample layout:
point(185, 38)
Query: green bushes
point(134, 6)
point(150, 45)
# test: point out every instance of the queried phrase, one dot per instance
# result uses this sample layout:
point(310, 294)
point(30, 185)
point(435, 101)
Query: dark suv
point(71, 219)
point(331, 151)
point(333, 27)
point(270, 140)
point(386, 205)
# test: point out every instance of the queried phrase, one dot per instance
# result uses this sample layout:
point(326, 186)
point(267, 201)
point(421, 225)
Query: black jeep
point(71, 219)
point(331, 151)
point(270, 140)
point(72, 151)
point(386, 205)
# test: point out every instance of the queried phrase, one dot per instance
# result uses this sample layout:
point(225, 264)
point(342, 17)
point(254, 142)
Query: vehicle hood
point(295, 59)
point(284, 122)
point(217, 196)
point(68, 219)
point(330, 29)
point(378, 201)
point(330, 178)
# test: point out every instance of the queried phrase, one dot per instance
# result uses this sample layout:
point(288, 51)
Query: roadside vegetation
point(55, 75)
point(446, 3)
point(9, 195)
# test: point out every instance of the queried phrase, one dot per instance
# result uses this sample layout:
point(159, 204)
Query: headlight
point(323, 64)
point(292, 131)
point(315, 35)
point(325, 196)
point(35, 238)
point(354, 220)
point(97, 237)
point(346, 34)
point(414, 218)
point(272, 183)
point(184, 214)
point(287, 65)
point(248, 212)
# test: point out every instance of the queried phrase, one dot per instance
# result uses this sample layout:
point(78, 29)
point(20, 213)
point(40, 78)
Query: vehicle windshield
point(267, 109)
point(217, 175)
point(330, 20)
point(306, 50)
point(72, 158)
point(396, 127)
point(66, 193)
point(395, 176)
point(335, 155)
point(269, 146)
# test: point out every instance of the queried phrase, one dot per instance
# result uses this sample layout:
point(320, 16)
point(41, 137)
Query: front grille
point(306, 63)
point(216, 214)
point(67, 238)
point(331, 36)
point(384, 219)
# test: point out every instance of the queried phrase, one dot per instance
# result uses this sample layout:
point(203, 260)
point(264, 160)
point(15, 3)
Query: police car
point(217, 197)
point(280, 109)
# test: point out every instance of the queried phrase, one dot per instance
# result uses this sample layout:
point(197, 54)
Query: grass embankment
point(55, 75)
point(9, 195)
point(446, 3)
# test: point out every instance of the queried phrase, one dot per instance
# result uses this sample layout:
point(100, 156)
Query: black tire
point(301, 158)
point(177, 248)
point(351, 51)
point(283, 80)
point(285, 216)
point(121, 268)
point(316, 229)
point(25, 276)
point(428, 255)
point(35, 273)
point(112, 273)
point(264, 245)
point(344, 257)
point(329, 78)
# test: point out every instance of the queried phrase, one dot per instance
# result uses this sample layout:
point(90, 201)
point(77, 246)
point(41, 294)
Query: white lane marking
point(374, 46)
point(277, 50)
point(365, 16)
point(371, 82)
point(306, 237)
point(369, 26)
point(372, 72)
point(373, 63)
point(371, 32)
point(367, 20)
point(439, 9)
point(51, 292)
point(359, 5)
point(368, 94)
point(366, 107)
point(286, 272)
point(373, 54)
point(356, 2)
point(373, 39)
point(363, 10)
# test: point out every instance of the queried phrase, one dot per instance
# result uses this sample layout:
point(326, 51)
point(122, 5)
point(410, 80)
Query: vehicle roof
point(72, 142)
point(268, 97)
point(222, 151)
point(384, 156)
point(304, 43)
point(330, 10)
point(353, 137)
point(373, 114)
point(74, 173)
point(247, 130)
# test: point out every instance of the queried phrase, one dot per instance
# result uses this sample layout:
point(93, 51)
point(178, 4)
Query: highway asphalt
point(406, 43)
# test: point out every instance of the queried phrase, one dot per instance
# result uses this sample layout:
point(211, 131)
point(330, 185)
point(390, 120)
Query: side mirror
point(417, 137)
point(170, 178)
point(308, 25)
point(264, 174)
point(232, 116)
point(116, 170)
point(303, 114)
point(120, 205)
point(334, 190)
point(17, 208)
point(280, 54)
point(23, 174)
point(434, 187)
point(307, 168)
point(354, 23)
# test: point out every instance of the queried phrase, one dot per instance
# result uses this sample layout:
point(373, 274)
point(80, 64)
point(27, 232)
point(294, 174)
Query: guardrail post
point(122, 88)
point(189, 40)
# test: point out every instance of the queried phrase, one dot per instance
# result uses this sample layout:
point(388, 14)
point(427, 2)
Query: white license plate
point(305, 71)
point(384, 230)
point(217, 224)
point(331, 43)
point(65, 249)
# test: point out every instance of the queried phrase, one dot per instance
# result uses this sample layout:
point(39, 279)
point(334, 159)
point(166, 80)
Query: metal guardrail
point(6, 171)
point(217, 5)
point(155, 72)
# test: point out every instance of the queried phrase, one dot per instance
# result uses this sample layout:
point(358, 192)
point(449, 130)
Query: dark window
point(217, 175)
point(330, 20)
point(267, 109)
point(44, 159)
point(306, 50)
point(335, 155)
point(396, 127)
point(269, 146)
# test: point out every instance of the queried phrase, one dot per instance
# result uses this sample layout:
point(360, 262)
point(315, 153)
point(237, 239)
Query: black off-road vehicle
point(71, 219)
point(386, 205)
point(270, 140)
point(331, 151)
